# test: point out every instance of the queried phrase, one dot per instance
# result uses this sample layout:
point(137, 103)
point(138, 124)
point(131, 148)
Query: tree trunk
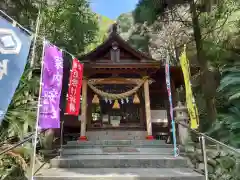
point(208, 84)
point(211, 108)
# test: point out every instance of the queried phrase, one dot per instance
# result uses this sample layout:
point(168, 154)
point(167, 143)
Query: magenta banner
point(49, 115)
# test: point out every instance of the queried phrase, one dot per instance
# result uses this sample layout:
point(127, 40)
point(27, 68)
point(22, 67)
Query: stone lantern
point(181, 115)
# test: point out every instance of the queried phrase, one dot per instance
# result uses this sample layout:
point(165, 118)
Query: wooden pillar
point(84, 111)
point(148, 110)
point(142, 123)
point(89, 107)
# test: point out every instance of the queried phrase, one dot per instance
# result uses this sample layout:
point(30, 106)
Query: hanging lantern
point(127, 100)
point(95, 99)
point(116, 105)
point(136, 99)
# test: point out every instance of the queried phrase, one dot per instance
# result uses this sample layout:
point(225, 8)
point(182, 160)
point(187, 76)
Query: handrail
point(29, 137)
point(18, 144)
point(10, 138)
point(6, 140)
point(209, 138)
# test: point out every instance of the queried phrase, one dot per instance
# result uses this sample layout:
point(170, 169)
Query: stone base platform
point(120, 174)
point(116, 135)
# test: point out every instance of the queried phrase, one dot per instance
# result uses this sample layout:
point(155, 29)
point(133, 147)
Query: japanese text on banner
point(74, 90)
point(49, 115)
point(191, 104)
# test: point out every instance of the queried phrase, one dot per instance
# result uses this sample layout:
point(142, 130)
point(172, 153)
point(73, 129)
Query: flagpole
point(15, 22)
point(175, 150)
point(37, 119)
point(35, 42)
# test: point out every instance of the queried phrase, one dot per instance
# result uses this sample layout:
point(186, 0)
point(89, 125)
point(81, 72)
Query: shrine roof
point(115, 39)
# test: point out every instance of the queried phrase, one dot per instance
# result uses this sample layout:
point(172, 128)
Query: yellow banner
point(191, 104)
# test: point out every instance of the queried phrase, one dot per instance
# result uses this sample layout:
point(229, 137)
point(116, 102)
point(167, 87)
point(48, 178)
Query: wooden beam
point(90, 72)
point(122, 65)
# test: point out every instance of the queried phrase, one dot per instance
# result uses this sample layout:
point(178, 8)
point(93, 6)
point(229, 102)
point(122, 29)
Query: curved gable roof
point(114, 37)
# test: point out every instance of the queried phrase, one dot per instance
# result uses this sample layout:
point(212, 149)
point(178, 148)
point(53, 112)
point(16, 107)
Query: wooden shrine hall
point(124, 93)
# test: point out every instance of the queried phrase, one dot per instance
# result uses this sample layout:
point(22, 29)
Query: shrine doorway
point(127, 115)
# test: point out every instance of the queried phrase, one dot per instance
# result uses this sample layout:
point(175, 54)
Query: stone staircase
point(118, 159)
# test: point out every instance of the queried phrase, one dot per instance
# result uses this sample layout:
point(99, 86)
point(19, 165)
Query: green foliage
point(132, 25)
point(20, 118)
point(227, 127)
point(21, 115)
point(13, 164)
point(24, 11)
point(133, 33)
point(125, 22)
point(104, 24)
point(71, 25)
point(148, 11)
point(230, 84)
point(138, 41)
point(221, 32)
point(219, 25)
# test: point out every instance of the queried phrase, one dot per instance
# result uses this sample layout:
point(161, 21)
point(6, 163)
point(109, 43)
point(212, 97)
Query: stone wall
point(222, 164)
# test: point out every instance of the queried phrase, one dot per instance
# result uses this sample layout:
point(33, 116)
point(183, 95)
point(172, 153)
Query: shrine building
point(124, 94)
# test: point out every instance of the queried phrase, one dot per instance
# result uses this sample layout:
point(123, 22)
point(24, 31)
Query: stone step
point(117, 142)
point(119, 174)
point(116, 135)
point(118, 150)
point(118, 161)
point(89, 146)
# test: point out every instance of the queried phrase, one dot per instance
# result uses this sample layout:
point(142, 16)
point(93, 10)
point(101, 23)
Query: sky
point(112, 8)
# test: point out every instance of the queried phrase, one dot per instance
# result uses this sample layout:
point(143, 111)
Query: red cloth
point(74, 88)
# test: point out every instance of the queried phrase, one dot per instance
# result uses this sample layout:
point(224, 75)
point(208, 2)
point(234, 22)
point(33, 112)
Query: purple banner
point(49, 115)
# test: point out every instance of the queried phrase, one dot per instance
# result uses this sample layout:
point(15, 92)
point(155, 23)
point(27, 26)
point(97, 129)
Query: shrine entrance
point(117, 103)
point(104, 116)
point(123, 93)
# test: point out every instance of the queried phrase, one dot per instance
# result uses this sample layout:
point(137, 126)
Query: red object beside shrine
point(82, 138)
point(74, 88)
point(149, 137)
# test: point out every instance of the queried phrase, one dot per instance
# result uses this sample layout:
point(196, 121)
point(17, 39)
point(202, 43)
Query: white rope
point(116, 96)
